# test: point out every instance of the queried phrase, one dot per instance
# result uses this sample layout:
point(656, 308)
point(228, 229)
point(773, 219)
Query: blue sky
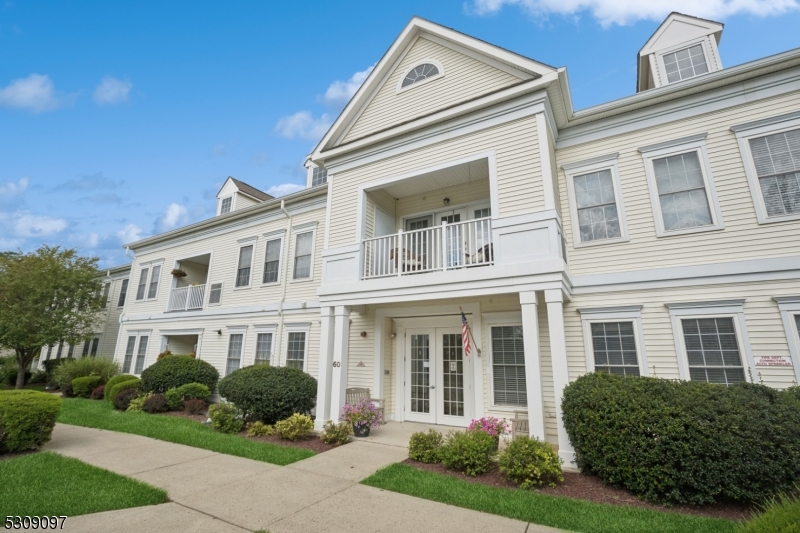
point(119, 120)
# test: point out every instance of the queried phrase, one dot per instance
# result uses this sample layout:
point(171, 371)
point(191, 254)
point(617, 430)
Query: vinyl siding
point(742, 238)
point(243, 201)
point(476, 192)
point(465, 78)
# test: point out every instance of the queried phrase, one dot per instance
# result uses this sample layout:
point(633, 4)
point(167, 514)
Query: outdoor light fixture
point(363, 333)
point(394, 334)
point(219, 332)
point(447, 201)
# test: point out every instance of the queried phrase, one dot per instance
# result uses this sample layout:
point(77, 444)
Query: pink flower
point(490, 425)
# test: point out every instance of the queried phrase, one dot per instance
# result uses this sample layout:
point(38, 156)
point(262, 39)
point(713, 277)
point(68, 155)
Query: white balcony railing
point(186, 298)
point(446, 247)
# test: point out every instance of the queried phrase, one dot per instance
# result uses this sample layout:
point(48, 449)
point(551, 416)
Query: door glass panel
point(416, 245)
point(452, 374)
point(454, 240)
point(420, 374)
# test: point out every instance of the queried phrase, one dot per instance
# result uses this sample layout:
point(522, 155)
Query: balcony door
point(454, 236)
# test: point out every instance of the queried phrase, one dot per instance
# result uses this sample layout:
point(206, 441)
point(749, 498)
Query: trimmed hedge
point(270, 393)
point(176, 370)
point(84, 386)
point(64, 373)
point(135, 384)
point(26, 419)
point(116, 380)
point(684, 442)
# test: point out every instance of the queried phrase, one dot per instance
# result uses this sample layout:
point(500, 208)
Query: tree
point(48, 296)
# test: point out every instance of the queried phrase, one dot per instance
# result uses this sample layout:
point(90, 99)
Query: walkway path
point(216, 493)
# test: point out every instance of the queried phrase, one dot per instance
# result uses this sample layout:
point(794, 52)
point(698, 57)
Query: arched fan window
point(419, 73)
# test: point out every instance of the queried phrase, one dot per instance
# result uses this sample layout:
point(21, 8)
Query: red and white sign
point(773, 360)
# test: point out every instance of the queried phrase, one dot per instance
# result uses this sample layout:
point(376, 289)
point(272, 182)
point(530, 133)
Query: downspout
point(285, 279)
point(108, 307)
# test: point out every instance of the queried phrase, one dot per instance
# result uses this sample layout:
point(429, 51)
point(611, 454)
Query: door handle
point(432, 386)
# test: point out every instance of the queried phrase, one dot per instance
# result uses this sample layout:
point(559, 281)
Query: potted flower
point(178, 273)
point(363, 416)
point(494, 427)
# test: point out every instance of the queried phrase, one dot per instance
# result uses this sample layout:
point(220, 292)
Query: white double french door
point(437, 377)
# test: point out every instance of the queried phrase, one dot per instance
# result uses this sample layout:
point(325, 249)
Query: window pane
point(777, 161)
point(95, 344)
point(272, 261)
point(597, 208)
point(84, 353)
point(234, 352)
point(106, 290)
point(685, 63)
point(508, 366)
point(263, 348)
point(420, 73)
point(681, 190)
point(226, 206)
point(154, 282)
point(216, 293)
point(296, 350)
point(302, 255)
point(245, 260)
point(142, 283)
point(615, 348)
point(126, 364)
point(123, 292)
point(712, 350)
point(140, 355)
point(319, 176)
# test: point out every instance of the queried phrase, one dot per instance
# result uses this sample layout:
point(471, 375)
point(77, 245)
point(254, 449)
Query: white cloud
point(89, 240)
point(10, 188)
point(622, 12)
point(112, 91)
point(36, 92)
point(175, 215)
point(284, 188)
point(303, 125)
point(26, 224)
point(340, 92)
point(219, 149)
point(130, 233)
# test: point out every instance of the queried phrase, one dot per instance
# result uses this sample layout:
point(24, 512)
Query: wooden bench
point(355, 394)
point(519, 426)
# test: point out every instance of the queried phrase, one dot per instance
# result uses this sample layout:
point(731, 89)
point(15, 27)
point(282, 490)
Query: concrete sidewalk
point(217, 493)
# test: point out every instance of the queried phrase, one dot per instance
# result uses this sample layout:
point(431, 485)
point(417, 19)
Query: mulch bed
point(591, 488)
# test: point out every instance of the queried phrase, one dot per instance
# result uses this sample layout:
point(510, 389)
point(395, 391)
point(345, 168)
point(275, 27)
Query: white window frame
point(626, 313)
point(678, 47)
point(249, 241)
point(695, 143)
point(301, 327)
point(310, 227)
point(123, 289)
point(236, 330)
point(789, 307)
point(138, 333)
point(761, 128)
point(579, 168)
point(437, 64)
point(500, 319)
point(233, 204)
point(711, 309)
point(272, 236)
point(221, 292)
point(149, 265)
point(273, 329)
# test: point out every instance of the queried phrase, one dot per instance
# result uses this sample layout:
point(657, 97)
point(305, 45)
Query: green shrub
point(225, 417)
point(11, 379)
point(270, 393)
point(64, 373)
point(26, 419)
point(84, 386)
point(135, 405)
point(50, 366)
point(66, 390)
point(295, 427)
point(191, 391)
point(174, 400)
point(424, 447)
point(98, 393)
point(781, 514)
point(38, 376)
point(336, 434)
point(470, 452)
point(259, 429)
point(194, 407)
point(115, 381)
point(124, 398)
point(684, 442)
point(176, 370)
point(531, 463)
point(155, 403)
point(134, 383)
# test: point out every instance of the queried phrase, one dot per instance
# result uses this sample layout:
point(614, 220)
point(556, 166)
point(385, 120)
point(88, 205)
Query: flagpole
point(469, 327)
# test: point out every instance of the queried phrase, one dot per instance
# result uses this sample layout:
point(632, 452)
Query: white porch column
point(533, 366)
point(325, 372)
point(341, 344)
point(558, 357)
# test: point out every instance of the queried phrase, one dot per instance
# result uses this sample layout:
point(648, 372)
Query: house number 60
point(336, 364)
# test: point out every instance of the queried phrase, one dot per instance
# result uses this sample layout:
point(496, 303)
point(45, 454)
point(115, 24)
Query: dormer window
point(423, 72)
point(319, 176)
point(686, 63)
point(225, 207)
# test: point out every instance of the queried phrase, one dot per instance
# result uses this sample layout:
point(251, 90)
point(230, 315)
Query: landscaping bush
point(98, 393)
point(780, 515)
point(470, 452)
point(194, 407)
point(531, 463)
point(66, 390)
point(64, 373)
point(136, 404)
point(270, 393)
point(133, 383)
point(191, 391)
point(156, 403)
point(684, 442)
point(123, 399)
point(225, 417)
point(336, 434)
point(50, 366)
point(174, 400)
point(259, 429)
point(38, 376)
point(424, 447)
point(84, 386)
point(295, 427)
point(26, 419)
point(116, 380)
point(176, 370)
point(8, 371)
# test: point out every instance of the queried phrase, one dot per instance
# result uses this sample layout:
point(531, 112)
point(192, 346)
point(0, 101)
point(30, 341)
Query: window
point(225, 206)
point(123, 293)
point(302, 255)
point(245, 264)
point(319, 175)
point(126, 364)
point(95, 344)
point(215, 295)
point(686, 63)
point(419, 73)
point(71, 350)
point(296, 350)
point(776, 159)
point(272, 261)
point(614, 348)
point(49, 352)
point(153, 290)
point(263, 348)
point(234, 352)
point(597, 206)
point(789, 307)
point(712, 350)
point(86, 345)
point(140, 354)
point(106, 289)
point(484, 212)
point(140, 290)
point(508, 366)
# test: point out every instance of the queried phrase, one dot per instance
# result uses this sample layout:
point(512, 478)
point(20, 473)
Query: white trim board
point(789, 307)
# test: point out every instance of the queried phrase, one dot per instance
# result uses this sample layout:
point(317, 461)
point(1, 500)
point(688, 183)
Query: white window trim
point(279, 235)
point(249, 241)
point(221, 292)
point(233, 204)
point(586, 167)
point(127, 290)
point(150, 265)
point(138, 333)
point(271, 328)
point(744, 133)
point(711, 309)
point(682, 46)
point(499, 319)
point(789, 307)
point(300, 327)
point(437, 64)
point(694, 143)
point(235, 330)
point(310, 227)
point(597, 315)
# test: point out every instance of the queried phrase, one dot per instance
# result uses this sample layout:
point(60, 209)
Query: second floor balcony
point(190, 276)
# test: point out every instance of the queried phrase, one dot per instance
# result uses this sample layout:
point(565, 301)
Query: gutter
point(279, 331)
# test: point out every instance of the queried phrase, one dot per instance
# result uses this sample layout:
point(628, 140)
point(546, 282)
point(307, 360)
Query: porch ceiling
point(439, 179)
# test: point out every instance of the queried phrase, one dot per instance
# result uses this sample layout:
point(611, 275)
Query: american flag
point(465, 334)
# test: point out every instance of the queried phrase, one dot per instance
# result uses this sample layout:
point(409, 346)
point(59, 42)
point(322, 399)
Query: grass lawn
point(102, 415)
point(47, 484)
point(565, 513)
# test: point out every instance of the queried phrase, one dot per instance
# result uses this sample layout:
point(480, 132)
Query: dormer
point(236, 194)
point(682, 47)
point(315, 175)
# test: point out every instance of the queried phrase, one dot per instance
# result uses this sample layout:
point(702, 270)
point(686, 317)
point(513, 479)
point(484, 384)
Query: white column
point(533, 366)
point(558, 357)
point(341, 343)
point(325, 368)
